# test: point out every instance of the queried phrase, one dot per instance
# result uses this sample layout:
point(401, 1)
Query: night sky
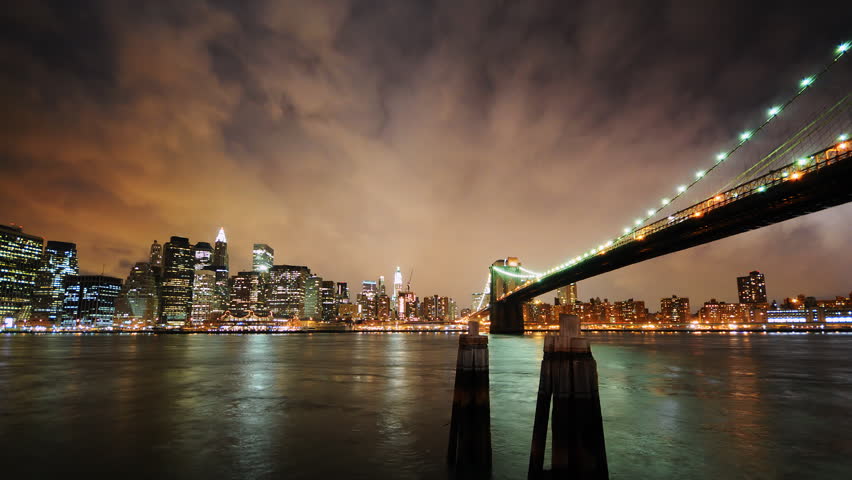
point(356, 136)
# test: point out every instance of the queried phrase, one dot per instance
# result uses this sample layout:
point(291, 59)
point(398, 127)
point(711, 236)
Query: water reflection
point(377, 405)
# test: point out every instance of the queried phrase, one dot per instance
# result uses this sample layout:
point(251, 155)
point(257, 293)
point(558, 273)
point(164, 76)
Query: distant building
point(156, 256)
point(221, 291)
point(752, 289)
point(89, 300)
point(407, 306)
point(435, 308)
point(329, 301)
point(726, 313)
point(383, 307)
point(203, 295)
point(220, 250)
point(538, 313)
point(313, 297)
point(203, 253)
point(178, 275)
point(347, 311)
point(139, 298)
point(59, 261)
point(478, 301)
point(20, 259)
point(397, 285)
point(465, 312)
point(674, 309)
point(262, 258)
point(367, 299)
point(287, 290)
point(566, 295)
point(246, 293)
point(342, 293)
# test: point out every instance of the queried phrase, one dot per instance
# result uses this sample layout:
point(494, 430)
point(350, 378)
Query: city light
point(802, 161)
point(745, 136)
point(721, 157)
point(843, 137)
point(806, 82)
point(681, 189)
point(665, 201)
point(842, 48)
point(774, 111)
point(650, 212)
point(761, 188)
point(700, 173)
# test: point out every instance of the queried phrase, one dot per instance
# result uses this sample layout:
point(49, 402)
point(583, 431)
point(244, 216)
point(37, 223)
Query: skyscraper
point(262, 257)
point(20, 259)
point(156, 257)
point(674, 309)
point(245, 292)
point(178, 275)
point(397, 284)
point(139, 299)
point(203, 295)
point(203, 254)
point(287, 290)
point(220, 250)
point(221, 291)
point(436, 308)
point(59, 261)
point(383, 307)
point(566, 295)
point(367, 299)
point(89, 300)
point(342, 293)
point(752, 289)
point(329, 301)
point(313, 297)
point(380, 286)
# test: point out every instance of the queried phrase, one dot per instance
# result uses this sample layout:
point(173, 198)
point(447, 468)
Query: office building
point(383, 307)
point(59, 261)
point(246, 293)
point(674, 309)
point(139, 298)
point(178, 275)
point(20, 259)
point(203, 295)
point(752, 289)
point(262, 257)
point(203, 253)
point(287, 290)
point(342, 293)
point(435, 308)
point(329, 301)
point(220, 250)
point(156, 256)
point(89, 300)
point(566, 295)
point(313, 297)
point(367, 299)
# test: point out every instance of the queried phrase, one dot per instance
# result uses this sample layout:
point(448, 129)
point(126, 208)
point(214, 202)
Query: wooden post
point(469, 450)
point(569, 376)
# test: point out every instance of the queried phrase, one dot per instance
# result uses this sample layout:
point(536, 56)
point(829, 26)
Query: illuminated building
point(566, 295)
point(628, 311)
point(752, 289)
point(435, 308)
point(246, 293)
point(203, 254)
point(674, 309)
point(465, 312)
point(139, 299)
point(20, 259)
point(407, 306)
point(329, 301)
point(59, 261)
point(203, 295)
point(156, 256)
point(90, 300)
point(452, 313)
point(383, 307)
point(726, 313)
point(220, 250)
point(178, 274)
point(262, 256)
point(287, 290)
point(367, 299)
point(313, 297)
point(221, 291)
point(380, 286)
point(347, 311)
point(342, 293)
point(397, 285)
point(538, 313)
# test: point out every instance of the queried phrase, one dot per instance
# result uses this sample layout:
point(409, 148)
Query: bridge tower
point(507, 316)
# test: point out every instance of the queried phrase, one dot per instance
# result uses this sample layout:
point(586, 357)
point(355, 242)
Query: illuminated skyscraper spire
point(220, 249)
point(221, 236)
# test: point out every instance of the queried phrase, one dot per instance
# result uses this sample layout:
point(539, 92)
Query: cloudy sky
point(354, 136)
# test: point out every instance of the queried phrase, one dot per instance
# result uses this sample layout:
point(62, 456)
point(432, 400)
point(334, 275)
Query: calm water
point(378, 405)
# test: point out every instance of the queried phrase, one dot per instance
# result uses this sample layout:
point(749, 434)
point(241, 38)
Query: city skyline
point(328, 128)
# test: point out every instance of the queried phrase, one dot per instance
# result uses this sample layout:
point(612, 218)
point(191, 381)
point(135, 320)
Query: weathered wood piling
point(469, 451)
point(569, 378)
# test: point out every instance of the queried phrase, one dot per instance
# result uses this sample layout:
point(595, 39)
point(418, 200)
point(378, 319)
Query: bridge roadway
point(817, 189)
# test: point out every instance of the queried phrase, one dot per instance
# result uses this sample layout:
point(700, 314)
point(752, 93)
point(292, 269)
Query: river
point(370, 406)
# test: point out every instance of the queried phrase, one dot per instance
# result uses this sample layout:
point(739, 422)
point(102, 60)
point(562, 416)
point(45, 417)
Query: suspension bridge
point(809, 171)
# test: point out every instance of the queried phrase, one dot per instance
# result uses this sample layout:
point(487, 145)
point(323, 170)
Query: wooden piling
point(469, 450)
point(569, 379)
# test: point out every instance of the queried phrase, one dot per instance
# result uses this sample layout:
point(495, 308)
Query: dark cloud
point(356, 136)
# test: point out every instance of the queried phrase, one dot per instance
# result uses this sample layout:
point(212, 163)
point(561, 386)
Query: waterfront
point(377, 405)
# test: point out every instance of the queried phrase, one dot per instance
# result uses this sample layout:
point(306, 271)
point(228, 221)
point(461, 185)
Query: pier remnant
point(569, 378)
point(469, 451)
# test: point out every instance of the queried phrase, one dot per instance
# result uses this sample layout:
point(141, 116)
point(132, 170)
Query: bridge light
point(773, 111)
point(745, 135)
point(718, 198)
point(843, 138)
point(806, 82)
point(796, 175)
point(721, 157)
point(681, 189)
point(761, 188)
point(665, 201)
point(843, 47)
point(843, 146)
point(671, 218)
point(626, 230)
point(697, 214)
point(785, 174)
point(651, 212)
point(609, 243)
point(802, 161)
point(700, 173)
point(638, 222)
